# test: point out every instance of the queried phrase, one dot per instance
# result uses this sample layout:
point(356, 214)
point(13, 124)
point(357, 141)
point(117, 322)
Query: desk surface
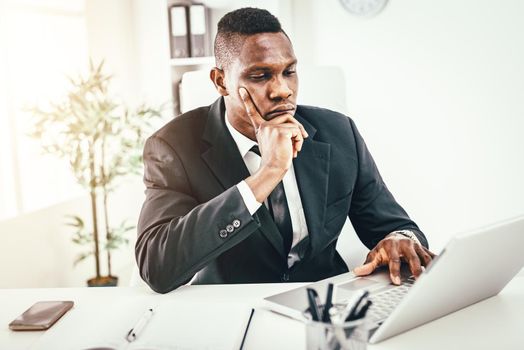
point(493, 323)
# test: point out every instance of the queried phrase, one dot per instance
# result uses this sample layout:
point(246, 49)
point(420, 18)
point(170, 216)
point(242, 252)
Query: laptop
point(473, 266)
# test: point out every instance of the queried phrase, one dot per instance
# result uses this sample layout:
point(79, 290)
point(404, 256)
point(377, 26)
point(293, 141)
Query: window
point(41, 43)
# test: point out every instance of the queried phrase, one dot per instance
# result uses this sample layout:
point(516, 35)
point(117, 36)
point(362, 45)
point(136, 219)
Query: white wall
point(111, 38)
point(150, 30)
point(437, 90)
point(131, 36)
point(36, 248)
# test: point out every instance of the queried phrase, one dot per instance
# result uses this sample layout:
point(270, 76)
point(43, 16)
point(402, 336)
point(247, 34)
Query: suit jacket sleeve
point(374, 212)
point(177, 235)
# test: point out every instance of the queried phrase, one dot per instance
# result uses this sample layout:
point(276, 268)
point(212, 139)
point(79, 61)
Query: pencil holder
point(351, 335)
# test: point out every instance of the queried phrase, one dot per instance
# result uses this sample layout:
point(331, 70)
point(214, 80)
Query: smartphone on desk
point(40, 316)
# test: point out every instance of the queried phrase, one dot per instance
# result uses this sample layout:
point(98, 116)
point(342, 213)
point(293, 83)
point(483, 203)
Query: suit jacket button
point(236, 223)
point(285, 277)
point(230, 228)
point(223, 233)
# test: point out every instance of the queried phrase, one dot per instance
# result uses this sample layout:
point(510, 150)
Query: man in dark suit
point(255, 188)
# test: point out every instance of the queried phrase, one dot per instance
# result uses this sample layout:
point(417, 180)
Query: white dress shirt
point(294, 202)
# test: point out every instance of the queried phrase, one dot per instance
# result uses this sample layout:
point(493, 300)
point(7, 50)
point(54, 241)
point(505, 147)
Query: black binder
point(179, 31)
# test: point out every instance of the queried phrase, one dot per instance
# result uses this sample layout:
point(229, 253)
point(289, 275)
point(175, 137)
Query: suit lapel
point(312, 173)
point(222, 157)
point(225, 162)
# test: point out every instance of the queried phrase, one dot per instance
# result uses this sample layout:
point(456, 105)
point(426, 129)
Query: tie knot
point(255, 149)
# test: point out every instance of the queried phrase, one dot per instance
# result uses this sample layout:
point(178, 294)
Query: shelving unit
point(192, 61)
point(181, 65)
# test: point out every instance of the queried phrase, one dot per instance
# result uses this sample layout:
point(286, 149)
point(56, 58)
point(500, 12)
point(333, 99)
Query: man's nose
point(279, 89)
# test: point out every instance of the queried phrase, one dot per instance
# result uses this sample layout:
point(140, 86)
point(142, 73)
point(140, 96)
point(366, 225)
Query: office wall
point(437, 90)
point(36, 248)
point(130, 35)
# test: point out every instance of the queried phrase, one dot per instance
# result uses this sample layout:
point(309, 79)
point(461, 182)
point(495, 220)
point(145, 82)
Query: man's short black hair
point(237, 24)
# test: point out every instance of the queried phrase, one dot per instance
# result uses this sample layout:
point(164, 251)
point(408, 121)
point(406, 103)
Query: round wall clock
point(364, 8)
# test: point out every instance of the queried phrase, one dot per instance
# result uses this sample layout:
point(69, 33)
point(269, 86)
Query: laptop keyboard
point(384, 302)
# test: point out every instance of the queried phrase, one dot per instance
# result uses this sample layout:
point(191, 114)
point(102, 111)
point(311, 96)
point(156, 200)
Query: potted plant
point(102, 139)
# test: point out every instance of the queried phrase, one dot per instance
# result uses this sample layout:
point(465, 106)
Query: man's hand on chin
point(392, 251)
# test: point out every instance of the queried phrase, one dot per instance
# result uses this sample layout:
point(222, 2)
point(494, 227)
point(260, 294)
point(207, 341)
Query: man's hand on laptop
point(392, 251)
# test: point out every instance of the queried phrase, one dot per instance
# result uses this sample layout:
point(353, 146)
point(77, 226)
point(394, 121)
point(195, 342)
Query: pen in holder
point(350, 335)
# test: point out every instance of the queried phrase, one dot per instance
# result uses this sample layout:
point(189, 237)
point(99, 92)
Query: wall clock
point(364, 8)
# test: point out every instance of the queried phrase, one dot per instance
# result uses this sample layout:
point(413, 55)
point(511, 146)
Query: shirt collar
point(244, 143)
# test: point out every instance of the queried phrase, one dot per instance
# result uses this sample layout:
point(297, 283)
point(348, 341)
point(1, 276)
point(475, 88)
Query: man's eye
point(289, 72)
point(258, 76)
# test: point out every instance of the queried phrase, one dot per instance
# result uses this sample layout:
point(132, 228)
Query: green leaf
point(76, 221)
point(81, 257)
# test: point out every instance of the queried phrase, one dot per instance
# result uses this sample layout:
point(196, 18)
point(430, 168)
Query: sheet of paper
point(174, 325)
point(195, 326)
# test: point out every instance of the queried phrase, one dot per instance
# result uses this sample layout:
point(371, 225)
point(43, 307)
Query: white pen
point(140, 325)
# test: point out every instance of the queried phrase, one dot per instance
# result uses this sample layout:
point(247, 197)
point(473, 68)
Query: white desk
point(496, 323)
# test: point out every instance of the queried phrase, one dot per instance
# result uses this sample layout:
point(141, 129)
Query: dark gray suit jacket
point(192, 165)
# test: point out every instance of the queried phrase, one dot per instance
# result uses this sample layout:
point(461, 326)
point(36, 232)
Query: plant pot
point(104, 281)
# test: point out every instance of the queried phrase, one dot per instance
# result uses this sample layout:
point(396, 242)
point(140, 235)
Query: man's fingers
point(371, 264)
point(251, 110)
point(288, 118)
point(301, 127)
point(394, 266)
point(297, 146)
point(413, 260)
point(369, 257)
point(298, 141)
point(431, 254)
point(365, 269)
point(425, 257)
point(292, 132)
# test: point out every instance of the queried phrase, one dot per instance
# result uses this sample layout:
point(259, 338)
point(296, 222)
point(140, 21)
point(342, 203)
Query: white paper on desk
point(202, 326)
point(174, 326)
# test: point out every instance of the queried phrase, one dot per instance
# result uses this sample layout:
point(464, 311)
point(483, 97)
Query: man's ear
point(217, 76)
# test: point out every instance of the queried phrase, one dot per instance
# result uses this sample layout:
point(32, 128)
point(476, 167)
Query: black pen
point(247, 327)
point(328, 304)
point(364, 310)
point(355, 308)
point(313, 300)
